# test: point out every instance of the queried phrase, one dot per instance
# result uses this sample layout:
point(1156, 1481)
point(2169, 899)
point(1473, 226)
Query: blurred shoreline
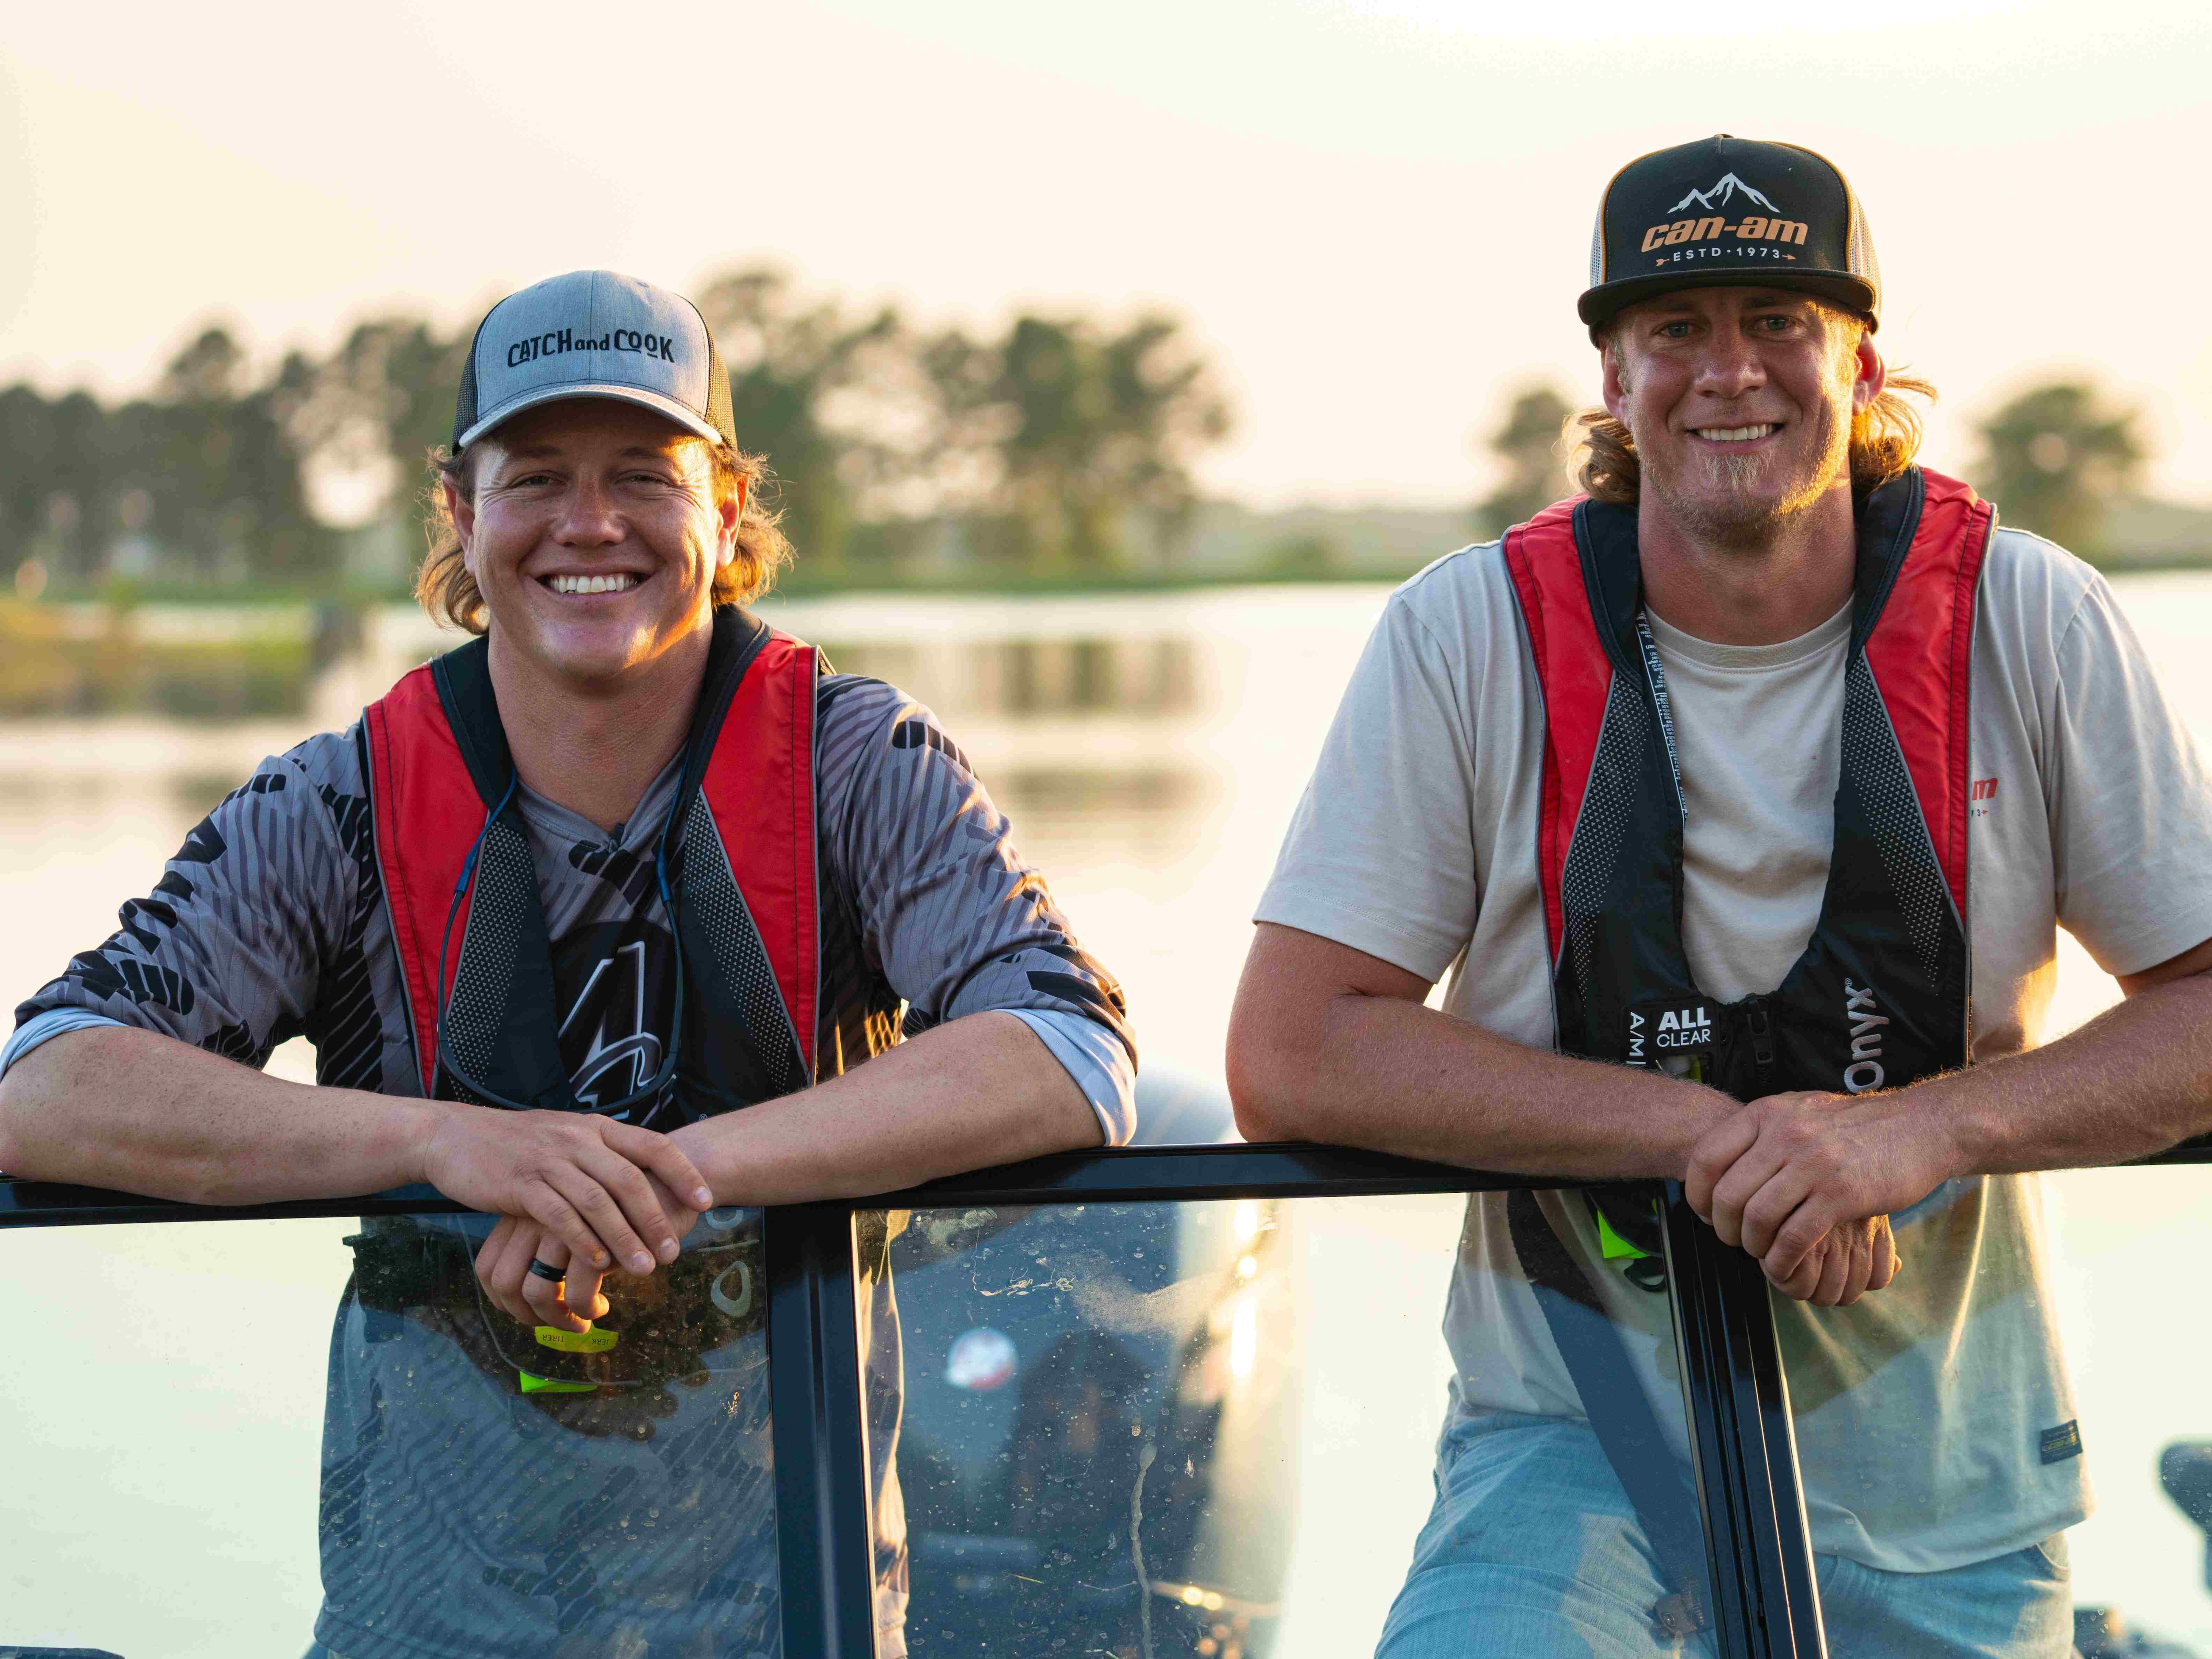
point(258, 650)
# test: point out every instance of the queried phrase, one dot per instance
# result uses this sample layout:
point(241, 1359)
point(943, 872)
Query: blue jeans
point(1532, 1549)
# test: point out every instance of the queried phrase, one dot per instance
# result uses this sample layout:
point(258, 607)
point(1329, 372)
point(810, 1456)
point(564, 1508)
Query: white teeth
point(1733, 434)
point(618, 584)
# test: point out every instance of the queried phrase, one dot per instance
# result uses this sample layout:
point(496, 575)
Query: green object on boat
point(1617, 1249)
point(531, 1384)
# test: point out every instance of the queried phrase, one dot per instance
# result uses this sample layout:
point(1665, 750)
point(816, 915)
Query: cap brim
point(659, 401)
point(1600, 306)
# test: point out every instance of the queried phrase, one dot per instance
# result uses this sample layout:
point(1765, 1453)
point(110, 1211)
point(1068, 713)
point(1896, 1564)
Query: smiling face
point(593, 531)
point(1739, 401)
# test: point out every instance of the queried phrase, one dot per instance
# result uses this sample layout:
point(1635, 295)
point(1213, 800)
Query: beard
point(1744, 502)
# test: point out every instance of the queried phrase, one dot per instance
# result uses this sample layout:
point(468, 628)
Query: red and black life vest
point(741, 866)
point(1879, 997)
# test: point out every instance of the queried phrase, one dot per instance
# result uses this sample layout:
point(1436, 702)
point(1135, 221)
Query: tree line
point(2057, 459)
point(1061, 446)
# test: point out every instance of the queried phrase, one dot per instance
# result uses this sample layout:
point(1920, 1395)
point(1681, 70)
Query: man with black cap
point(591, 921)
point(1741, 798)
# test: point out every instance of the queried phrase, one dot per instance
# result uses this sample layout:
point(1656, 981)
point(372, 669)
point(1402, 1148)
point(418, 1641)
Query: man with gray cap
point(1683, 782)
point(591, 921)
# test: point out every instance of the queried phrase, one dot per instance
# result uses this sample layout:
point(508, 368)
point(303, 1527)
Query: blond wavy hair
point(1885, 435)
point(444, 588)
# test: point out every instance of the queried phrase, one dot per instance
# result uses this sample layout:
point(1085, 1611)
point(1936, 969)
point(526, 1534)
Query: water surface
point(1149, 750)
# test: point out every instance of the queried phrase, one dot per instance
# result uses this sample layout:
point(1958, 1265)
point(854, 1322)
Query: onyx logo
point(1864, 1072)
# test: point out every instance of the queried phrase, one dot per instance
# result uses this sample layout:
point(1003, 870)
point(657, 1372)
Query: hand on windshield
point(606, 1190)
point(1806, 1181)
point(569, 1304)
point(1853, 1258)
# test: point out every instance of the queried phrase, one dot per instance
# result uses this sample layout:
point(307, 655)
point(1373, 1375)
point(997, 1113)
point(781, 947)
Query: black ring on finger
point(547, 1270)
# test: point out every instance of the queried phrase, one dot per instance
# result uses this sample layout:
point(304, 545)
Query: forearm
point(143, 1113)
point(2135, 1080)
point(975, 1091)
point(1389, 1073)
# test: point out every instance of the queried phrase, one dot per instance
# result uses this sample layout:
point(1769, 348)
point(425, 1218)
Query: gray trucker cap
point(594, 334)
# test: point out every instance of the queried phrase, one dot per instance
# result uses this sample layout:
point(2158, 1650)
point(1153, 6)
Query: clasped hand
point(1807, 1181)
point(577, 1192)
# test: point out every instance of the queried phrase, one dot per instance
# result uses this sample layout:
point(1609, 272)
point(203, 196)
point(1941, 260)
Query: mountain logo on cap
point(1721, 194)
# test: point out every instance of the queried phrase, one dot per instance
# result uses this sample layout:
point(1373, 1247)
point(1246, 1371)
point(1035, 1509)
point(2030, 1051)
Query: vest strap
point(423, 831)
point(1574, 671)
point(758, 781)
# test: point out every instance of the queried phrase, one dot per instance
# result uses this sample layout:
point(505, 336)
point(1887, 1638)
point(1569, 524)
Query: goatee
point(1737, 514)
point(1744, 504)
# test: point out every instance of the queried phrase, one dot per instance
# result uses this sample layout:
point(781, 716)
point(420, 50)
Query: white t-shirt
point(1922, 1412)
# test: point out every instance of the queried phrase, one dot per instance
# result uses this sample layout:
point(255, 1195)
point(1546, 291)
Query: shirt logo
point(620, 1055)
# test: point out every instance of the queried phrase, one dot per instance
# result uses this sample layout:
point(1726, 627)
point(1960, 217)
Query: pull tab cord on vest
point(1656, 677)
point(661, 1079)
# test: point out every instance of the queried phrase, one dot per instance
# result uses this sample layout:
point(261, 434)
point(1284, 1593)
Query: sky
point(1373, 214)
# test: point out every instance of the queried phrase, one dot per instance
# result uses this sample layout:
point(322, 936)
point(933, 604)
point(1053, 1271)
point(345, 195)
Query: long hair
point(1885, 439)
point(444, 588)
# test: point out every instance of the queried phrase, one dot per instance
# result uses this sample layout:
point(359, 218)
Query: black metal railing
point(1747, 1483)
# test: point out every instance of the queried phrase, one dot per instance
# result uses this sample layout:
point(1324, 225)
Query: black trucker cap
point(594, 334)
point(1726, 209)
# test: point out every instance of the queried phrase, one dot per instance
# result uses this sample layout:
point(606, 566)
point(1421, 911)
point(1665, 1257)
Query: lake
point(1149, 750)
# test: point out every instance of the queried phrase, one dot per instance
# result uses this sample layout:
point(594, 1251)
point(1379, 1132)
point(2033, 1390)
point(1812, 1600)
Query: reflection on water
point(1150, 751)
point(1033, 676)
point(1152, 816)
